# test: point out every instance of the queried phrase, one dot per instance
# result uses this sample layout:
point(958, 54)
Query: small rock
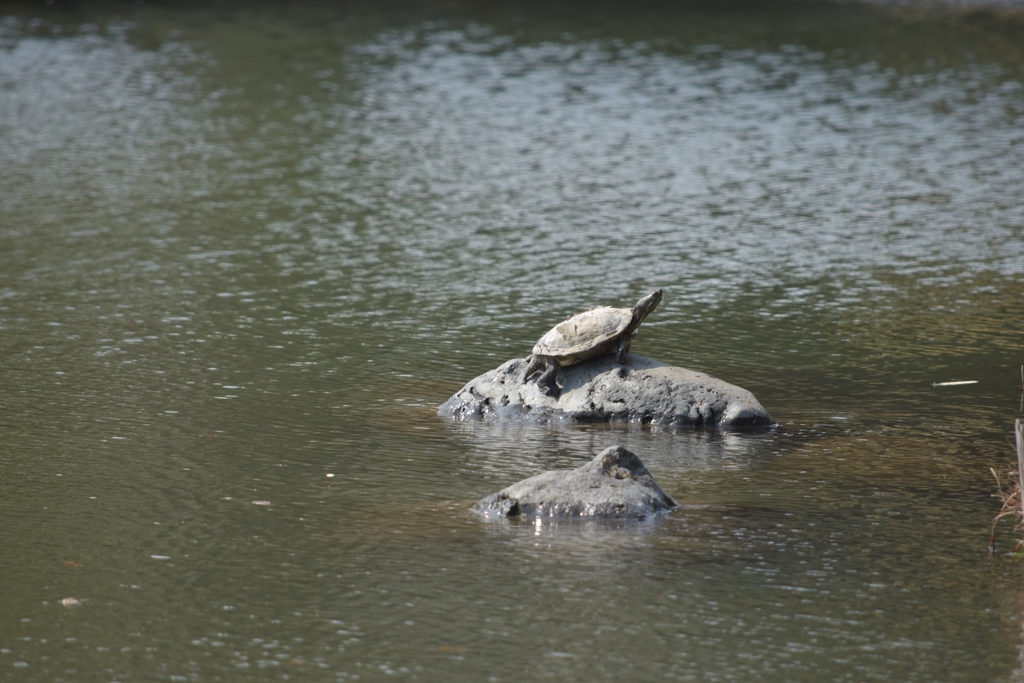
point(615, 484)
point(603, 390)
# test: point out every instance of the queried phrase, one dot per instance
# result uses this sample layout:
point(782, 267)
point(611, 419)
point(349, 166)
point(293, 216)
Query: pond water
point(246, 252)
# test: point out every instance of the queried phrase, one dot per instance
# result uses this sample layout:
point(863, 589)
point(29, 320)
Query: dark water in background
point(245, 248)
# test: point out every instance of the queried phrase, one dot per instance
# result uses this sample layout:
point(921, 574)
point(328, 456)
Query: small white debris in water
point(953, 384)
point(70, 602)
point(261, 502)
point(160, 557)
point(329, 475)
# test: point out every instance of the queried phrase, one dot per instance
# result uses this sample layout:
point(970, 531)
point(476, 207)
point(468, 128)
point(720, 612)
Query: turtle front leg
point(546, 382)
point(624, 345)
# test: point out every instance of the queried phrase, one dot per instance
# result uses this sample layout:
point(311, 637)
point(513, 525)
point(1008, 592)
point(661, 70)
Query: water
point(245, 253)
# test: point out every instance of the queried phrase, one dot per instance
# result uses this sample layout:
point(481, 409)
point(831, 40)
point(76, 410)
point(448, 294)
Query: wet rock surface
point(603, 390)
point(615, 484)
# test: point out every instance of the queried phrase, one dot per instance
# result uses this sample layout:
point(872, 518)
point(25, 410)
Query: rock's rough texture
point(615, 484)
point(601, 390)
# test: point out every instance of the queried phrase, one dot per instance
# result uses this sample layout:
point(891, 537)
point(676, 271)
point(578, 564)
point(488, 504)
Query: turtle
point(597, 332)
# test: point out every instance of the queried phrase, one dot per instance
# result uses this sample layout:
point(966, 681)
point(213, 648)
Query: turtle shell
point(593, 333)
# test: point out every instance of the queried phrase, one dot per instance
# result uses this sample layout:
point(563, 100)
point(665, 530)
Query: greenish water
point(246, 251)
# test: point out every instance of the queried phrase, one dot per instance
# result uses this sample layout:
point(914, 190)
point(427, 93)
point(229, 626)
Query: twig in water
point(1011, 505)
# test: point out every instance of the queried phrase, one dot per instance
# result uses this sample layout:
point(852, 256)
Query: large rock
point(615, 484)
point(601, 390)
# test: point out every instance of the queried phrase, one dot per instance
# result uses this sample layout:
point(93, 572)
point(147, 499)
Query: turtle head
point(646, 305)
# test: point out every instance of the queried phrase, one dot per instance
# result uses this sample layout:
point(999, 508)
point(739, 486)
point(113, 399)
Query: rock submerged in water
point(615, 484)
point(603, 390)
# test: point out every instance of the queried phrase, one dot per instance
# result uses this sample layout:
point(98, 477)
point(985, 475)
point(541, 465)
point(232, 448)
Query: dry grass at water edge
point(1011, 493)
